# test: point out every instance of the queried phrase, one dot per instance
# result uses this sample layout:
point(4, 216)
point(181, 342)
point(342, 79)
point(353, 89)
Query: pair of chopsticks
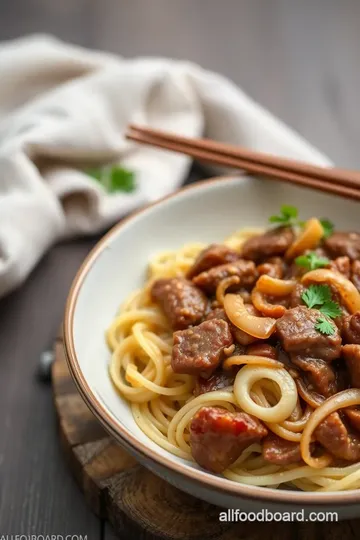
point(341, 182)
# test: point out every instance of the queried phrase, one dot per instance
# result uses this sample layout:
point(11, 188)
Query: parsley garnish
point(287, 215)
point(114, 178)
point(324, 326)
point(319, 297)
point(316, 295)
point(328, 227)
point(311, 261)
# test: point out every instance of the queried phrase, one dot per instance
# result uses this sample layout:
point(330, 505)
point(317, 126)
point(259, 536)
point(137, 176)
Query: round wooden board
point(122, 491)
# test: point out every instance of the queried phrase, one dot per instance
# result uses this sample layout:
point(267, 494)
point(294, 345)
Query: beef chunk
point(199, 350)
point(335, 437)
point(295, 297)
point(343, 244)
point(262, 349)
point(214, 255)
point(273, 267)
point(351, 328)
point(242, 338)
point(297, 333)
point(320, 374)
point(351, 354)
point(273, 242)
point(218, 437)
point(353, 415)
point(279, 451)
point(210, 279)
point(182, 302)
point(342, 265)
point(217, 381)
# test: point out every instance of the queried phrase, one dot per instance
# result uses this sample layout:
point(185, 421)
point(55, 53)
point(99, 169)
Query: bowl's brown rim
point(121, 433)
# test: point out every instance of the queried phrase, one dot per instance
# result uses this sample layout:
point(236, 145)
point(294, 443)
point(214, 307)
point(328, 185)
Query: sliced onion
point(259, 327)
point(275, 287)
point(308, 239)
point(346, 288)
point(267, 309)
point(223, 285)
point(347, 398)
point(311, 398)
point(251, 359)
point(245, 380)
point(298, 425)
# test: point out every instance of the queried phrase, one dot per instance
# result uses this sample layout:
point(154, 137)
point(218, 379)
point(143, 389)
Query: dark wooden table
point(300, 59)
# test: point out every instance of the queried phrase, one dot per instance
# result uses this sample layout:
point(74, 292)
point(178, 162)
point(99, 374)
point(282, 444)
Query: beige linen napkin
point(63, 108)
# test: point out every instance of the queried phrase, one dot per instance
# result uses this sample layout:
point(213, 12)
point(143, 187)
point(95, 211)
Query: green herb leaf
point(331, 309)
point(328, 227)
point(311, 261)
point(114, 178)
point(122, 180)
point(287, 215)
point(316, 295)
point(94, 173)
point(324, 326)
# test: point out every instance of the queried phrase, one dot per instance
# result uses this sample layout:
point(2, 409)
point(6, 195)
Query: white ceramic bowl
point(206, 212)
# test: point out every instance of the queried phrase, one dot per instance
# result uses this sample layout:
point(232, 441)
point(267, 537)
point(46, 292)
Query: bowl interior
point(207, 212)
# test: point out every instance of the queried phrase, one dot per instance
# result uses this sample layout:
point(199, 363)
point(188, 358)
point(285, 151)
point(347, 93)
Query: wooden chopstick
point(343, 176)
point(204, 153)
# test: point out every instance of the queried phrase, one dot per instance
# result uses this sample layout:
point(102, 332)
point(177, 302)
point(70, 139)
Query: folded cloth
point(64, 108)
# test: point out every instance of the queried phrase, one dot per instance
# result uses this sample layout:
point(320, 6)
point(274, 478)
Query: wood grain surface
point(299, 59)
point(121, 491)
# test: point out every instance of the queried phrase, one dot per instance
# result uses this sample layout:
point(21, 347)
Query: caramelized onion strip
point(266, 308)
point(275, 287)
point(251, 359)
point(346, 398)
point(309, 238)
point(346, 288)
point(259, 327)
point(223, 285)
point(311, 398)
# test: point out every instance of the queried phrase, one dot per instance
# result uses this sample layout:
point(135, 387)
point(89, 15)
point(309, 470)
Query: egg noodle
point(163, 404)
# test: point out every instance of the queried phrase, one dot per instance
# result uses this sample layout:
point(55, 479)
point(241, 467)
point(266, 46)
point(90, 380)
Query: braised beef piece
point(210, 279)
point(217, 313)
point(320, 374)
point(337, 439)
point(217, 381)
point(342, 265)
point(355, 274)
point(262, 349)
point(282, 356)
point(279, 451)
point(218, 437)
point(343, 244)
point(273, 267)
point(295, 296)
point(297, 333)
point(353, 416)
point(242, 338)
point(296, 300)
point(351, 328)
point(214, 255)
point(351, 354)
point(199, 350)
point(273, 242)
point(182, 302)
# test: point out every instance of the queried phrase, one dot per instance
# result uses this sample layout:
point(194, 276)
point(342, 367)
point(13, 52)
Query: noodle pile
point(163, 404)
